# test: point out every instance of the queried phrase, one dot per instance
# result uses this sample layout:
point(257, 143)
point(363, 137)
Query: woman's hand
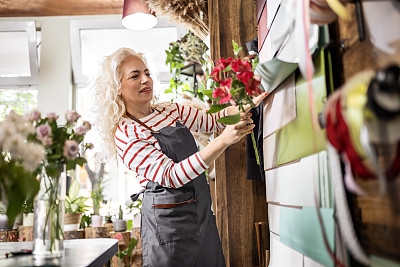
point(256, 101)
point(233, 133)
point(230, 135)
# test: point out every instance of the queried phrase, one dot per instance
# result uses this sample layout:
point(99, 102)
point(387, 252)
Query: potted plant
point(27, 215)
point(120, 224)
point(97, 197)
point(3, 219)
point(74, 207)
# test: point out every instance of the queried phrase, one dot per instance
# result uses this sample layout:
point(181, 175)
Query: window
point(19, 66)
point(91, 40)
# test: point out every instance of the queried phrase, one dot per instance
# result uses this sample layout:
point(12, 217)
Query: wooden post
point(239, 202)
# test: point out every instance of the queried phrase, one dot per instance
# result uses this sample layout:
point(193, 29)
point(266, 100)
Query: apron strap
point(140, 122)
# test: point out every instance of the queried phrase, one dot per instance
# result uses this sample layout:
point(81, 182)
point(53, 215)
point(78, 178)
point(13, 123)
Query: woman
point(155, 142)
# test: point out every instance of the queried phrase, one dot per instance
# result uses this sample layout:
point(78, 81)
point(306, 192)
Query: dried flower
point(71, 149)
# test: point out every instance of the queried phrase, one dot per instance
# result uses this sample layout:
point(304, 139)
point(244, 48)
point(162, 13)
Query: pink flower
point(239, 66)
point(118, 236)
point(224, 63)
point(89, 146)
point(252, 86)
point(52, 116)
point(215, 74)
point(72, 116)
point(223, 91)
point(47, 141)
point(80, 130)
point(87, 125)
point(43, 131)
point(34, 115)
point(71, 149)
point(245, 76)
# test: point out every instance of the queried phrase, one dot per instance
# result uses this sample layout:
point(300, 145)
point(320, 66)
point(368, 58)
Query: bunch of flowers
point(18, 161)
point(61, 145)
point(61, 142)
point(232, 82)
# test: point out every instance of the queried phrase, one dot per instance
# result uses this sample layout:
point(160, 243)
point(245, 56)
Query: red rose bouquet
point(232, 82)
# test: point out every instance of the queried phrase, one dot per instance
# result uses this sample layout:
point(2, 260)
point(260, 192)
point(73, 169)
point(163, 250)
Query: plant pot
point(119, 225)
point(72, 221)
point(27, 219)
point(4, 222)
point(97, 220)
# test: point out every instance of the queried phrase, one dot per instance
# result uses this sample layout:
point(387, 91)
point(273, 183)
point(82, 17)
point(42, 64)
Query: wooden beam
point(239, 202)
point(38, 8)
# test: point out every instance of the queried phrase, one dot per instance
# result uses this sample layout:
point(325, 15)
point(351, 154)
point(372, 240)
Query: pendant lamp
point(138, 16)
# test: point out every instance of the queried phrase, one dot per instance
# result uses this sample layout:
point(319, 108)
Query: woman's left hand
point(256, 101)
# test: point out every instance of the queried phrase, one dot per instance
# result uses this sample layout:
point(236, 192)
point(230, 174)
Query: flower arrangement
point(232, 82)
point(61, 145)
point(18, 161)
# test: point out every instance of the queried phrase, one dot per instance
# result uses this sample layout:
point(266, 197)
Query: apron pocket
point(176, 217)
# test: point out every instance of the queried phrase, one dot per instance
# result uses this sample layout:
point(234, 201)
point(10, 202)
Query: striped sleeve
point(142, 156)
point(198, 120)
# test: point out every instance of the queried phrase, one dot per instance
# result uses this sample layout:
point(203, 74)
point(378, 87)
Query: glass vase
point(48, 234)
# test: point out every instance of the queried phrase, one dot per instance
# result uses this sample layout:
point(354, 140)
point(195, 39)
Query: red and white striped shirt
point(141, 153)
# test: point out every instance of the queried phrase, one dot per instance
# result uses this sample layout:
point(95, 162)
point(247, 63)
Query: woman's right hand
point(233, 133)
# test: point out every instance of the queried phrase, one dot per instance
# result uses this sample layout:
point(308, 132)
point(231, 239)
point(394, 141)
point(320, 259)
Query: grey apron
point(178, 226)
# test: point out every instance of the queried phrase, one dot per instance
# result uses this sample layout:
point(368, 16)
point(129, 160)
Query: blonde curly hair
point(108, 106)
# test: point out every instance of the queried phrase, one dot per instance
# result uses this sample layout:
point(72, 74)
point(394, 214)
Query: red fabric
point(339, 136)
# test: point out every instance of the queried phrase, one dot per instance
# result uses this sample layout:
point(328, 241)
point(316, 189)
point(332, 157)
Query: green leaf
point(238, 50)
point(215, 108)
point(74, 189)
point(235, 45)
point(233, 119)
point(169, 90)
point(132, 245)
point(207, 93)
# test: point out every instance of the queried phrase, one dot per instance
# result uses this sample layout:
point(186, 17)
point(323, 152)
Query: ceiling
point(38, 8)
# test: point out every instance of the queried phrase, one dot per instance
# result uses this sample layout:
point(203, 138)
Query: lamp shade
point(138, 16)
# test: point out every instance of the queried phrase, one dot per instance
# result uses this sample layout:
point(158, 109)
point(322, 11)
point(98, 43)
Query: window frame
point(79, 79)
point(23, 82)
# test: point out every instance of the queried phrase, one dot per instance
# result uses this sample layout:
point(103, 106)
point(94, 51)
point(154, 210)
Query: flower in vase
point(19, 158)
point(72, 116)
point(43, 131)
point(52, 116)
point(71, 149)
point(81, 130)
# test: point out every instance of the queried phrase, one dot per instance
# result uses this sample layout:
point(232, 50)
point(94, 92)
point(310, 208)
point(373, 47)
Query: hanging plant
point(188, 49)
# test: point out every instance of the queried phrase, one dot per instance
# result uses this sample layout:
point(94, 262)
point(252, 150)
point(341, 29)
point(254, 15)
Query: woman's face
point(136, 83)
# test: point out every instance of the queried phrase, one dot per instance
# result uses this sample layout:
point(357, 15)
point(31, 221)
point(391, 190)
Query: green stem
point(255, 148)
